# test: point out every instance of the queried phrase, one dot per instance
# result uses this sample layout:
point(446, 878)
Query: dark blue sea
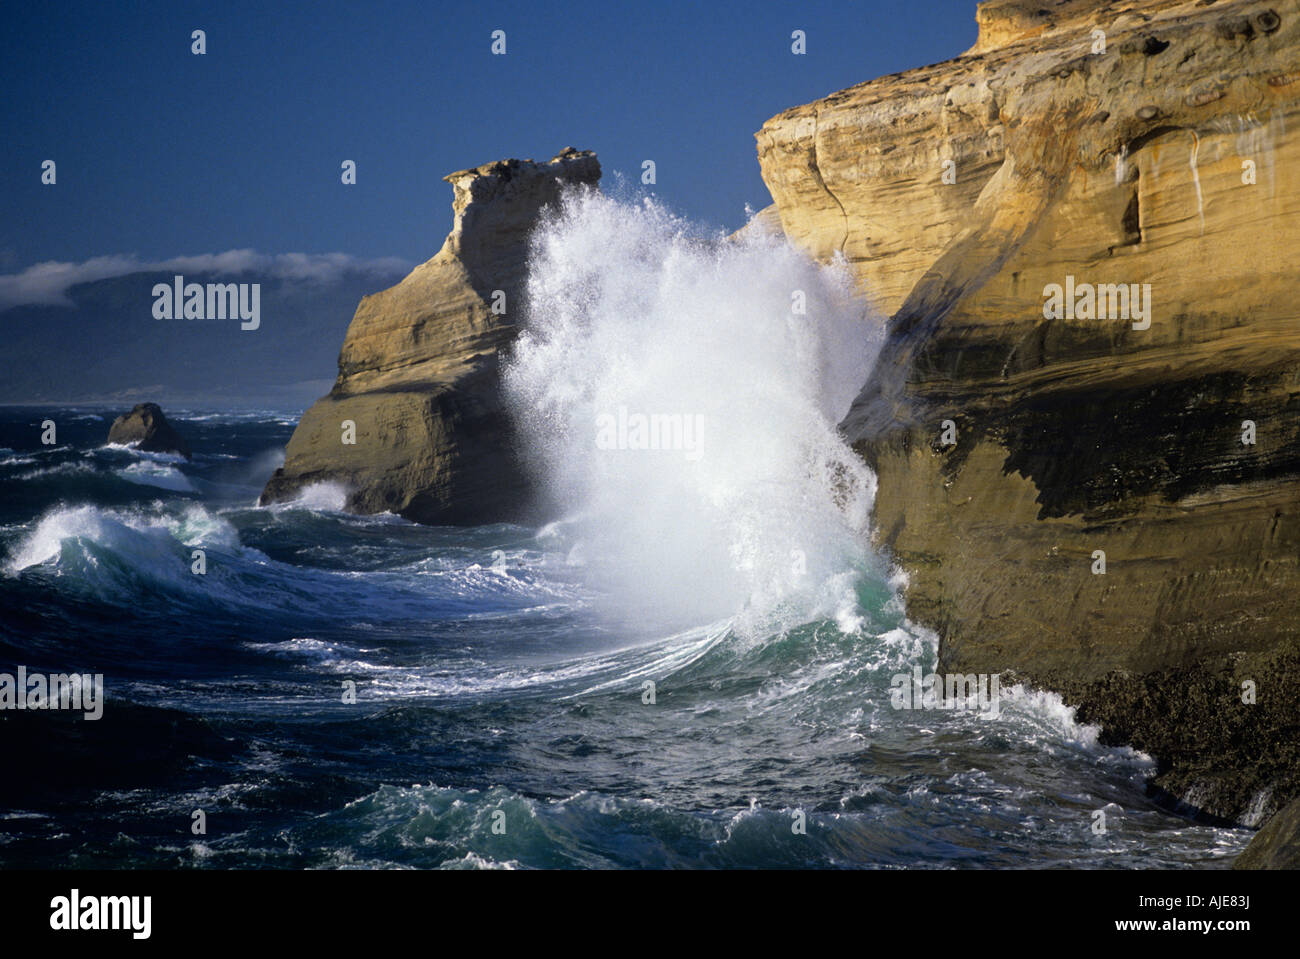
point(502, 716)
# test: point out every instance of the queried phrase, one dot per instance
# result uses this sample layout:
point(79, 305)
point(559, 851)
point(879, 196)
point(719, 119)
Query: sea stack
point(1102, 500)
point(147, 429)
point(415, 423)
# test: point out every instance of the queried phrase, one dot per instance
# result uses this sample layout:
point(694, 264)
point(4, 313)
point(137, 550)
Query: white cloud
point(47, 283)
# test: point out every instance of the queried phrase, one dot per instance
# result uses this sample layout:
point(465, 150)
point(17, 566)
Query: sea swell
point(341, 691)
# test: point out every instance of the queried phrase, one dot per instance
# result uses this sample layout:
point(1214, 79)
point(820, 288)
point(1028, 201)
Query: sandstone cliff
point(419, 368)
point(1150, 143)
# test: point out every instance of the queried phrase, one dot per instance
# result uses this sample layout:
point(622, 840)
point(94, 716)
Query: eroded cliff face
point(419, 368)
point(1142, 143)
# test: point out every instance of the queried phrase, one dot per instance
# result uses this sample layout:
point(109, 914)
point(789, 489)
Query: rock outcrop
point(147, 429)
point(1099, 499)
point(418, 384)
point(1277, 845)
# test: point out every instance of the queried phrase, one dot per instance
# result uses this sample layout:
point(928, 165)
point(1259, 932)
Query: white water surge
point(679, 394)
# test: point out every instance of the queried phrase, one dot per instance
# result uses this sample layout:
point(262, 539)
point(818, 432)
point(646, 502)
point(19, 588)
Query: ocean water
point(689, 666)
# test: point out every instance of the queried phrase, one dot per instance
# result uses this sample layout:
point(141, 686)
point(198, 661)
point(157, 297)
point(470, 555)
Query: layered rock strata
point(1024, 443)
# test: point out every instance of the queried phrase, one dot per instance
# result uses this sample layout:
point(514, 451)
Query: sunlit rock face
point(418, 391)
point(1023, 437)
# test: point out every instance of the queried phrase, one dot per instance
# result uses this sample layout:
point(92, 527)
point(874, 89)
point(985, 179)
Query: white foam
point(766, 518)
point(144, 454)
point(155, 474)
point(328, 496)
point(63, 469)
point(1044, 715)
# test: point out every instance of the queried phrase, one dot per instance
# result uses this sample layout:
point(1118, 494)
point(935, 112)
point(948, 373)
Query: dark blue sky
point(162, 153)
